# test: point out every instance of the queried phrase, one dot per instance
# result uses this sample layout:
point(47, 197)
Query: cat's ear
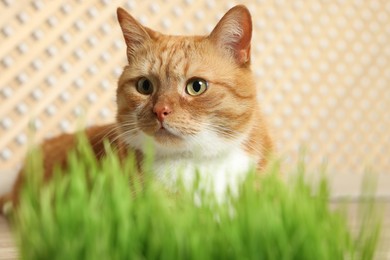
point(134, 33)
point(234, 32)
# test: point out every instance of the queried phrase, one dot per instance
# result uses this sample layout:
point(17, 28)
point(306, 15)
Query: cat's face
point(187, 93)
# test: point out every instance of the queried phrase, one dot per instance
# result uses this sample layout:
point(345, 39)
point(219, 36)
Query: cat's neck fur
point(216, 174)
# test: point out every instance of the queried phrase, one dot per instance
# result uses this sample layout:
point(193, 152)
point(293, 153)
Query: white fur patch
point(221, 165)
point(217, 174)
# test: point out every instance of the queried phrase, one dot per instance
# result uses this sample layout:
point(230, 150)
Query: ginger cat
point(193, 97)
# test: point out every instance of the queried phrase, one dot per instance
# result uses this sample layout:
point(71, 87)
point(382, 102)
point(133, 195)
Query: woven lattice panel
point(322, 68)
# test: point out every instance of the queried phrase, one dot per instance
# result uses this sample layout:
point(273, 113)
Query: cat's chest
point(216, 173)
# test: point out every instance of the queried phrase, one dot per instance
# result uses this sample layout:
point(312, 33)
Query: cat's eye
point(144, 86)
point(196, 86)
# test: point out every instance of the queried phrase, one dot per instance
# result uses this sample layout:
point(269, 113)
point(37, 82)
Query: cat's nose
point(162, 111)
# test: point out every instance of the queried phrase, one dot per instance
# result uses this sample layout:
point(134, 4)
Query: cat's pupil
point(146, 85)
point(197, 85)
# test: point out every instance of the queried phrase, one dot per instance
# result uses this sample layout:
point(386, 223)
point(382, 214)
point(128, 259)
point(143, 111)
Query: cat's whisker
point(113, 131)
point(127, 133)
point(112, 136)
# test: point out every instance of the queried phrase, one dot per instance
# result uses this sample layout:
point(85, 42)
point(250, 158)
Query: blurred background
point(322, 70)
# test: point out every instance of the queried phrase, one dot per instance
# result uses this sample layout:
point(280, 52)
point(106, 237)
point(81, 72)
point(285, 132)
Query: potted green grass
point(103, 211)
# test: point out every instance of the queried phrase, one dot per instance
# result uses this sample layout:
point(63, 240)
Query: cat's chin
point(163, 136)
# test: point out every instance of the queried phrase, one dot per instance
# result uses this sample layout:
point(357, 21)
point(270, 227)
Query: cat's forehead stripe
point(171, 59)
